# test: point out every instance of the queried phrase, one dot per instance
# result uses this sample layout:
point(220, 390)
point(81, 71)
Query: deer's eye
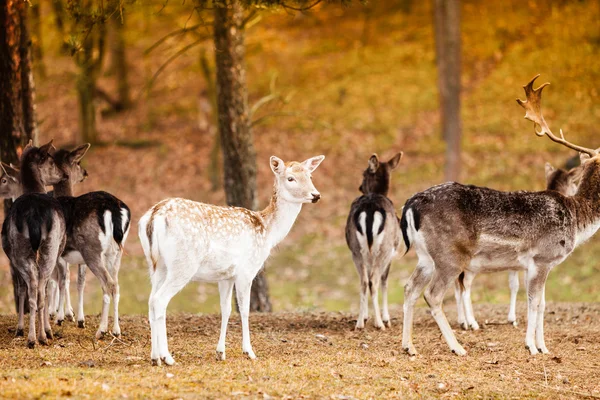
point(4, 181)
point(291, 179)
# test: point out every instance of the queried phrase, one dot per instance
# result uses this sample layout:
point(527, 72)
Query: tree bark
point(239, 156)
point(448, 55)
point(35, 24)
point(17, 92)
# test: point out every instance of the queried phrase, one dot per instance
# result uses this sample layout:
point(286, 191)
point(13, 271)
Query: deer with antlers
point(563, 181)
point(456, 228)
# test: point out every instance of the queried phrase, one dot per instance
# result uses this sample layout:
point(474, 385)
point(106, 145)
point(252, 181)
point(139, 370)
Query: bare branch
point(301, 8)
point(178, 32)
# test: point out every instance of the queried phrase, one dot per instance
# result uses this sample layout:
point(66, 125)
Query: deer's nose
point(316, 197)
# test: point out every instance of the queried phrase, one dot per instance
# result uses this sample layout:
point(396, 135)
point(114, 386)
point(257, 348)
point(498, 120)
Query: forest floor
point(310, 355)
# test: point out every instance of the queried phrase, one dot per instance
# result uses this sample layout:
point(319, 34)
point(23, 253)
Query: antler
point(533, 112)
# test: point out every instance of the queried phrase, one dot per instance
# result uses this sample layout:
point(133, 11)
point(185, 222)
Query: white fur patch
point(585, 234)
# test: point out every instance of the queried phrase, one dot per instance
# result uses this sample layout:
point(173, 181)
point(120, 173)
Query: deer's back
point(367, 207)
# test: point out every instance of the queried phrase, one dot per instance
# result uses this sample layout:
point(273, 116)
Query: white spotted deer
point(456, 228)
point(97, 227)
point(185, 241)
point(564, 182)
point(373, 236)
point(33, 237)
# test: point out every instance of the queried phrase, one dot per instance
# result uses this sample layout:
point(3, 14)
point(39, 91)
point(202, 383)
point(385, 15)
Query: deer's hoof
point(156, 362)
point(387, 324)
point(116, 332)
point(81, 324)
point(459, 351)
point(60, 322)
point(31, 344)
point(100, 335)
point(464, 326)
point(250, 354)
point(168, 360)
point(71, 318)
point(43, 342)
point(220, 356)
point(49, 334)
point(20, 332)
point(532, 350)
point(410, 350)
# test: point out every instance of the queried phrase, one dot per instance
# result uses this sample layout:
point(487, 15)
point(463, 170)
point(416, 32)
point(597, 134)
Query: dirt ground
point(310, 355)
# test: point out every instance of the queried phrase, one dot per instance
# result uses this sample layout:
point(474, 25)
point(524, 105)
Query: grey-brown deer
point(456, 228)
point(563, 181)
point(33, 237)
point(373, 236)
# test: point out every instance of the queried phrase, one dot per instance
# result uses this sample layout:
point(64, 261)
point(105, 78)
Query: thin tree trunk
point(36, 39)
point(448, 55)
point(85, 92)
point(239, 156)
point(119, 61)
point(214, 170)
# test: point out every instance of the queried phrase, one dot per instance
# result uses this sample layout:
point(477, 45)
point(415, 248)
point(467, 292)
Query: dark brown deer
point(564, 182)
point(33, 237)
point(97, 227)
point(456, 228)
point(373, 236)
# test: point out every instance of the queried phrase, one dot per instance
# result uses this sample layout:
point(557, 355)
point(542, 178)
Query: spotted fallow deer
point(33, 237)
point(373, 236)
point(184, 240)
point(456, 228)
point(564, 182)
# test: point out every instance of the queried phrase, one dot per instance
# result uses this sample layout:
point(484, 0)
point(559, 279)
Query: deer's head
point(293, 180)
point(10, 182)
point(376, 178)
point(39, 161)
point(70, 163)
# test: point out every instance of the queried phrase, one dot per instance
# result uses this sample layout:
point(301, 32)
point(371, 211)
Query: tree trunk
point(239, 156)
point(448, 54)
point(85, 92)
point(119, 61)
point(17, 94)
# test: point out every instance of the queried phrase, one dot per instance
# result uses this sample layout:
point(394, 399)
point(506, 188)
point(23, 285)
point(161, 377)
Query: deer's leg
point(225, 293)
point(539, 328)
point(157, 279)
point(384, 294)
point(242, 288)
point(460, 309)
point(536, 280)
point(41, 311)
point(412, 290)
point(21, 292)
point(513, 284)
point(374, 281)
point(32, 291)
point(363, 313)
point(172, 284)
point(470, 316)
point(60, 274)
point(81, 270)
point(68, 306)
point(53, 294)
point(97, 265)
point(114, 270)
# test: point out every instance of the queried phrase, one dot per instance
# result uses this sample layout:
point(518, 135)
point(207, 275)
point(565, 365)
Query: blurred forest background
point(344, 80)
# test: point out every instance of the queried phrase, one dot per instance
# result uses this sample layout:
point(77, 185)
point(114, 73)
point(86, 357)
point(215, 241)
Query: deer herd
point(457, 231)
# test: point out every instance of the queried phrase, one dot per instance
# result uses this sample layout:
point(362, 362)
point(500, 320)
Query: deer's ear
point(393, 163)
point(373, 163)
point(48, 148)
point(277, 165)
point(312, 163)
point(549, 170)
point(77, 154)
point(576, 174)
point(10, 171)
point(584, 157)
point(28, 146)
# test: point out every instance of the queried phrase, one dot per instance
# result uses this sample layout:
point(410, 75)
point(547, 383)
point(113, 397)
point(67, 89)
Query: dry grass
point(296, 363)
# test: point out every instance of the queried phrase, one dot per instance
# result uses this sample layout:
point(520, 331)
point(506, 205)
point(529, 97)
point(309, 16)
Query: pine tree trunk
point(448, 54)
point(239, 156)
point(17, 94)
point(36, 39)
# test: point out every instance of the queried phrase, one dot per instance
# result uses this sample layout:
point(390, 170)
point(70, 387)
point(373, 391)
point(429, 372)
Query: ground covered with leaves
point(310, 355)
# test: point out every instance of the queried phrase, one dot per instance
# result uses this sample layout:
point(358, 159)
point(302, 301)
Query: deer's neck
point(64, 188)
point(31, 182)
point(587, 202)
point(279, 217)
